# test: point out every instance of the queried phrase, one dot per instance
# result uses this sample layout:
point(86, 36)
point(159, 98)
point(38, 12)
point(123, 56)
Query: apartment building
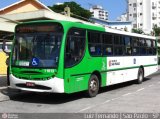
point(144, 14)
point(98, 12)
point(123, 18)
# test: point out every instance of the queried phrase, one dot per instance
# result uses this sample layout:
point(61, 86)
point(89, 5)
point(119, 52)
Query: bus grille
point(34, 79)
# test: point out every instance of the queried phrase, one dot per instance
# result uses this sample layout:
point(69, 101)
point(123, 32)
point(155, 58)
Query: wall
point(3, 67)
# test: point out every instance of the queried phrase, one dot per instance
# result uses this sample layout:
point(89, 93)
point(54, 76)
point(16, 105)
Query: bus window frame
point(100, 33)
point(14, 40)
point(85, 47)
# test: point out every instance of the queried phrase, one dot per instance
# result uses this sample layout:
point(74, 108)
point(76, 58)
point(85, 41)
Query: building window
point(134, 5)
point(134, 15)
point(141, 24)
point(130, 4)
point(134, 25)
point(141, 14)
point(130, 14)
point(141, 3)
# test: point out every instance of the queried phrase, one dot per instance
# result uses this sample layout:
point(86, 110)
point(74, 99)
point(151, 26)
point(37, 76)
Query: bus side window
point(94, 42)
point(128, 48)
point(107, 44)
point(75, 47)
point(153, 45)
point(107, 50)
point(118, 45)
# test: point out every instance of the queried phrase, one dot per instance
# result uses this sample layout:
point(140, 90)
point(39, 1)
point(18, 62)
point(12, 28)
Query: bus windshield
point(37, 49)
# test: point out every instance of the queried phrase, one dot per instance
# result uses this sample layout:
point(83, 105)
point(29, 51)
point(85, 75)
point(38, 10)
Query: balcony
point(154, 16)
point(154, 5)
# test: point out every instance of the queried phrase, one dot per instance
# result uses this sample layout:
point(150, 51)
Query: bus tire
point(93, 86)
point(140, 76)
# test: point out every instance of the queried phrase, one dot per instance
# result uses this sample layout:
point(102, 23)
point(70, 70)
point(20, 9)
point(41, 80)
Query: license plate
point(30, 84)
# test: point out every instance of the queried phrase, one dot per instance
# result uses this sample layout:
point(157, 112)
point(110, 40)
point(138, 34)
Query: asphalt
point(5, 92)
point(3, 81)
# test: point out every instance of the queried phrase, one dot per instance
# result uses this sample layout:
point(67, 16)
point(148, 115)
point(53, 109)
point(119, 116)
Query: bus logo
point(35, 61)
point(4, 116)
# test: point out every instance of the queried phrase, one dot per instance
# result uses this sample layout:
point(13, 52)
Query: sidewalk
point(5, 92)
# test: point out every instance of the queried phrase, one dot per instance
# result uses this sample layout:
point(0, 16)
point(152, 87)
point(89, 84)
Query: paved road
point(126, 97)
point(3, 81)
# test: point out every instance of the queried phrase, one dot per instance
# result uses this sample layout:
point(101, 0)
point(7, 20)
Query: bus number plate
point(29, 84)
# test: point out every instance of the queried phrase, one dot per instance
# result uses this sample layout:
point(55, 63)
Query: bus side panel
point(122, 69)
point(150, 70)
point(77, 77)
point(114, 75)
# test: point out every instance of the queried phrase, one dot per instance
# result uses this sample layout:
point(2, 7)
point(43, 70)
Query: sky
point(114, 7)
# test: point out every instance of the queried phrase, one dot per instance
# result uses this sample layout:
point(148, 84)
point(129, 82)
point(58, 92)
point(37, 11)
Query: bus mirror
point(5, 47)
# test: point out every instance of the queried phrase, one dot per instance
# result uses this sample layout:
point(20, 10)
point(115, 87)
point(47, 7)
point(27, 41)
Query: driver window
point(75, 46)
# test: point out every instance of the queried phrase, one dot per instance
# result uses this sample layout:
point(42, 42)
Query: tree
point(156, 30)
point(139, 31)
point(76, 10)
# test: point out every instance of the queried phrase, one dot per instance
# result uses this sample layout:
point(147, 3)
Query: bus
point(68, 57)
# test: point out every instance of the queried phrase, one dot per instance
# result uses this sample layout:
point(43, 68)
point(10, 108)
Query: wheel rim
point(93, 86)
point(140, 76)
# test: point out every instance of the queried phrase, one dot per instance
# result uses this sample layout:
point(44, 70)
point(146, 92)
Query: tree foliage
point(75, 9)
point(139, 31)
point(156, 30)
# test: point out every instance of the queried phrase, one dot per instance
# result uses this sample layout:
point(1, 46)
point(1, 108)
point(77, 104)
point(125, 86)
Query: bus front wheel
point(140, 77)
point(93, 86)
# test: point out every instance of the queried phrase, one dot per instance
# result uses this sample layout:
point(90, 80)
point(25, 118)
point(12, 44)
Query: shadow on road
point(47, 98)
point(52, 98)
point(3, 81)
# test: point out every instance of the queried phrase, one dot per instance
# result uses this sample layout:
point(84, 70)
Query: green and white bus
point(67, 57)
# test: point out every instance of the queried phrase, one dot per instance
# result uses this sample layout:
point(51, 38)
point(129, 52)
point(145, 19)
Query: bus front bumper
point(55, 85)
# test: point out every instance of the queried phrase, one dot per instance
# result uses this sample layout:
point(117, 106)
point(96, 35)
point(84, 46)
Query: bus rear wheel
point(140, 77)
point(93, 86)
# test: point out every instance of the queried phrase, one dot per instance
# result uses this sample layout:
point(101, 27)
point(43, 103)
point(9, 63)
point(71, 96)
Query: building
point(119, 25)
point(123, 18)
point(98, 12)
point(144, 14)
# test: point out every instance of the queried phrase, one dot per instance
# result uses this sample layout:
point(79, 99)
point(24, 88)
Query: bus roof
point(70, 24)
point(92, 26)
